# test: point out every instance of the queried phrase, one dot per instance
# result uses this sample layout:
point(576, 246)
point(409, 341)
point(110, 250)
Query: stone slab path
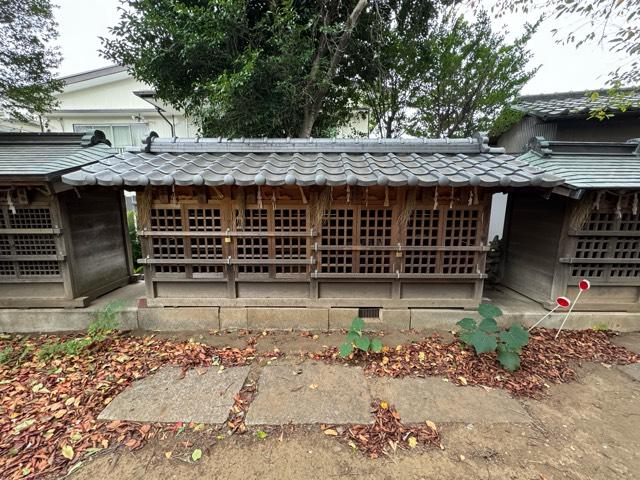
point(420, 399)
point(310, 393)
point(202, 396)
point(632, 370)
point(307, 393)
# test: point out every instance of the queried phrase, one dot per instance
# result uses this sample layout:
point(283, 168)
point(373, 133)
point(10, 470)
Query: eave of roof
point(306, 162)
point(45, 157)
point(574, 104)
point(91, 74)
point(588, 165)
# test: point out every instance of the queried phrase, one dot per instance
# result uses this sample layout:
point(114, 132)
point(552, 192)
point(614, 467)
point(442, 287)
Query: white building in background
point(111, 100)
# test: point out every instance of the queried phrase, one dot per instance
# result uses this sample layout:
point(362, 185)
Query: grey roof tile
point(46, 156)
point(569, 104)
point(308, 162)
point(588, 165)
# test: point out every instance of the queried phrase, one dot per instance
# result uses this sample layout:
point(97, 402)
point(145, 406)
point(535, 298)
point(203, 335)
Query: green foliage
point(469, 75)
point(355, 340)
point(244, 68)
point(600, 327)
point(68, 348)
point(487, 337)
point(14, 357)
point(615, 98)
point(27, 58)
point(136, 248)
point(104, 323)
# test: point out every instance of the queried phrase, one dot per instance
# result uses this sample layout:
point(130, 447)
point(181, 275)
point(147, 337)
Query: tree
point(616, 22)
point(471, 74)
point(244, 67)
point(398, 34)
point(436, 74)
point(27, 59)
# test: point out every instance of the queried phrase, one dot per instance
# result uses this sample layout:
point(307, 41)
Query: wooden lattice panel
point(254, 248)
point(337, 231)
point(27, 244)
point(590, 245)
point(5, 245)
point(38, 268)
point(422, 231)
point(166, 219)
point(31, 218)
point(290, 220)
point(169, 248)
point(600, 221)
point(375, 231)
point(205, 219)
point(630, 223)
point(207, 248)
point(461, 230)
point(7, 269)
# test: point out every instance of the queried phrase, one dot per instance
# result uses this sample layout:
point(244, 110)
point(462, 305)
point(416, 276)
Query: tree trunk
point(314, 105)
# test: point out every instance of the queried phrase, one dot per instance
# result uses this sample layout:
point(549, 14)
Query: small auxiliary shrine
point(319, 222)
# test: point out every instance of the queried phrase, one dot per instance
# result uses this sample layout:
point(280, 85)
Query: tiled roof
point(572, 103)
point(45, 156)
point(588, 165)
point(313, 162)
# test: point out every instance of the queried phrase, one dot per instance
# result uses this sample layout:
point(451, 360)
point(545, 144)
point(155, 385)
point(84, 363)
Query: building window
point(120, 135)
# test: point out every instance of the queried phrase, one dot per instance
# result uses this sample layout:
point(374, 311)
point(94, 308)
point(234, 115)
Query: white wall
point(498, 212)
point(109, 100)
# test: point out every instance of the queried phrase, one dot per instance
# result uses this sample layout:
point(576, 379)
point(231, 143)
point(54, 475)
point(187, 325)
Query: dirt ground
point(589, 429)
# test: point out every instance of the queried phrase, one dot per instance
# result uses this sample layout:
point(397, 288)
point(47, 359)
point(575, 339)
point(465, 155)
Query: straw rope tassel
point(634, 208)
point(259, 198)
point(435, 199)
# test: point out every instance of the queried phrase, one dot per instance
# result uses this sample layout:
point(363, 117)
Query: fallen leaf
point(331, 431)
point(413, 442)
point(168, 454)
point(384, 405)
point(67, 452)
point(313, 386)
point(196, 455)
point(431, 425)
point(463, 380)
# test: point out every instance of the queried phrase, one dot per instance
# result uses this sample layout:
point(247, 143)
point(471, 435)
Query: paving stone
point(165, 397)
point(286, 394)
point(421, 399)
point(632, 370)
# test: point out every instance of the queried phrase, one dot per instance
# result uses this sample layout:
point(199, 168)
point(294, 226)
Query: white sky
point(563, 68)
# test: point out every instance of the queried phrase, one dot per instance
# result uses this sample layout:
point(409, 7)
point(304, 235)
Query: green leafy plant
point(14, 357)
point(68, 348)
point(486, 336)
point(136, 248)
point(104, 323)
point(357, 341)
